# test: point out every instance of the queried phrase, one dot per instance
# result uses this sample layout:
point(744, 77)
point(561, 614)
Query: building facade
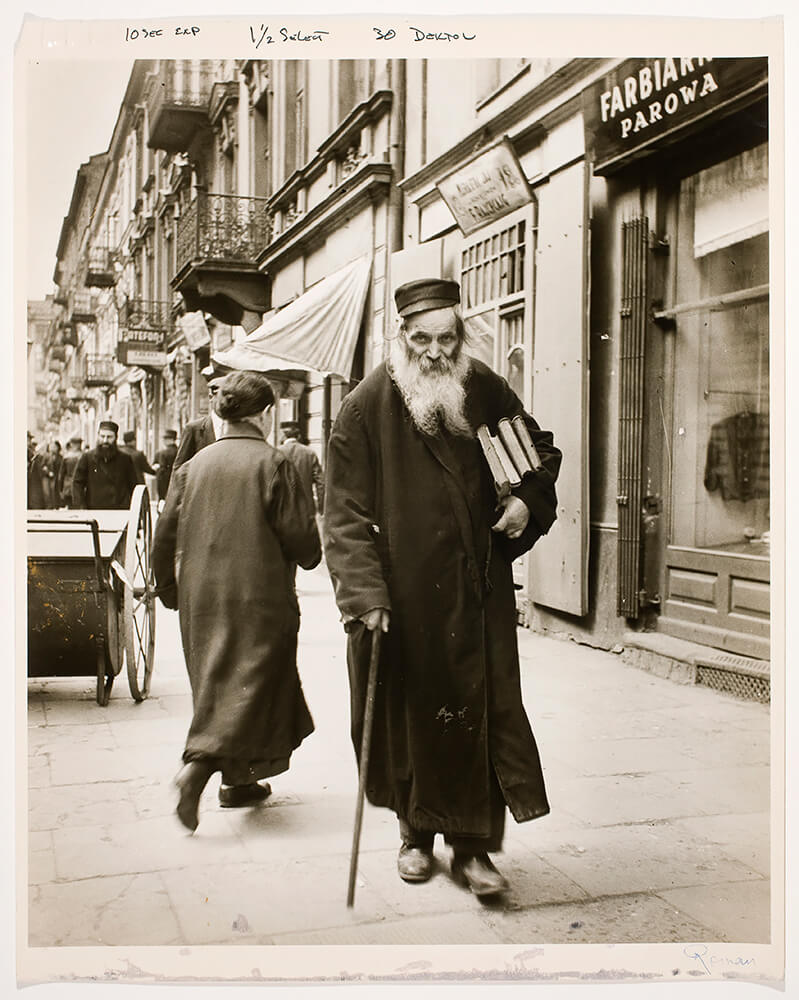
point(607, 220)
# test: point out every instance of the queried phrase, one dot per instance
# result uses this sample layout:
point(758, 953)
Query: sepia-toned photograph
point(401, 479)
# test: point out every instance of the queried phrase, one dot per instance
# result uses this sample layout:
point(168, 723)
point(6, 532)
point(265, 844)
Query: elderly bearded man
point(416, 546)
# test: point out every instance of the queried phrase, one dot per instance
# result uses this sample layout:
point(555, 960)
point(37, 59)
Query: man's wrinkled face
point(106, 442)
point(432, 340)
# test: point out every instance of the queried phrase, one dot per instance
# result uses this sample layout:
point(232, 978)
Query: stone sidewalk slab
point(248, 903)
point(733, 911)
point(619, 919)
point(55, 808)
point(120, 910)
point(642, 858)
point(745, 837)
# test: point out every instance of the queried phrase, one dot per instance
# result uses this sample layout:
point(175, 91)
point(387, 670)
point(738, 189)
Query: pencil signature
point(708, 960)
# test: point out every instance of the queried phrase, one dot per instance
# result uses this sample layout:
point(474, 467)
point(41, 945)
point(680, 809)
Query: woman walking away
point(235, 522)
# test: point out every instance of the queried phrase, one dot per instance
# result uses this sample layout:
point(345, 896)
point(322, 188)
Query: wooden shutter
point(559, 562)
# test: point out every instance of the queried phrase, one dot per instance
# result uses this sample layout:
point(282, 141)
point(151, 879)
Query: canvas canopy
point(318, 330)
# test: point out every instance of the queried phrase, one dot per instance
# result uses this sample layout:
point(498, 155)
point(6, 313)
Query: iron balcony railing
point(145, 314)
point(99, 369)
point(178, 102)
point(222, 227)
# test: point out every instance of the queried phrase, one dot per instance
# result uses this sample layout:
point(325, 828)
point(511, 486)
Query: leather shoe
point(190, 782)
point(415, 864)
point(236, 796)
point(477, 873)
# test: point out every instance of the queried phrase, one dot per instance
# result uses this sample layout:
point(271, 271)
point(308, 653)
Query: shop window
point(720, 440)
point(496, 291)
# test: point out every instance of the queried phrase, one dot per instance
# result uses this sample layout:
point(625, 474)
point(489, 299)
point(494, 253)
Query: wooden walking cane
point(363, 764)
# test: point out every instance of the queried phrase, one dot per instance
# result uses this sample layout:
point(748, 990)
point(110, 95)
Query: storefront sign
point(194, 330)
point(133, 352)
point(643, 100)
point(486, 188)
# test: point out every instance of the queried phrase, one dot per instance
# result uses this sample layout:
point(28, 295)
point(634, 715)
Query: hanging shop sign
point(195, 330)
point(486, 188)
point(141, 354)
point(642, 101)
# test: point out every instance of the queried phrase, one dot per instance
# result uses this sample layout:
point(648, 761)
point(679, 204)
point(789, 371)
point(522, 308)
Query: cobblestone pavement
point(659, 830)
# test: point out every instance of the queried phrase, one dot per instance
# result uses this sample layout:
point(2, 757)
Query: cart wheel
point(138, 603)
point(105, 675)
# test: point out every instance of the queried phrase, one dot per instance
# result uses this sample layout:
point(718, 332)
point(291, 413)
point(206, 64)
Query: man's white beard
point(435, 393)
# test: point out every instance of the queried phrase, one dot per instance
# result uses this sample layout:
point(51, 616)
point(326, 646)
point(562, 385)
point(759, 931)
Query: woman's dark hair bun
point(243, 394)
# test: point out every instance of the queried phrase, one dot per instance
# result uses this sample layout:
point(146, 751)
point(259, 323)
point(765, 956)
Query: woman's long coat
point(234, 523)
point(407, 527)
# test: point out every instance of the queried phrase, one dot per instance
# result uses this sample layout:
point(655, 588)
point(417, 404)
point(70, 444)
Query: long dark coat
point(165, 460)
point(197, 434)
point(407, 527)
point(103, 485)
point(234, 521)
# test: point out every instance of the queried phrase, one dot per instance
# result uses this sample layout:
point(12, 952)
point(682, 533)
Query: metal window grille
point(494, 267)
point(635, 238)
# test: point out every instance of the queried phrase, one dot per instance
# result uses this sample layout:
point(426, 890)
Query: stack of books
point(511, 455)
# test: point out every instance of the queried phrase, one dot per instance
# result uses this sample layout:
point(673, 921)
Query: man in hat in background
point(164, 462)
point(140, 462)
point(417, 546)
point(104, 476)
point(306, 462)
point(205, 430)
point(72, 453)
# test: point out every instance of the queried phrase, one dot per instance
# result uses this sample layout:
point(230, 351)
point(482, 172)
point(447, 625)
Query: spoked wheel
point(138, 605)
point(105, 674)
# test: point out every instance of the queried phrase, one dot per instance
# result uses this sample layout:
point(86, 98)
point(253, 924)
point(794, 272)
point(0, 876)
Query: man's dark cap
point(214, 371)
point(171, 435)
point(108, 425)
point(75, 440)
point(426, 294)
point(129, 436)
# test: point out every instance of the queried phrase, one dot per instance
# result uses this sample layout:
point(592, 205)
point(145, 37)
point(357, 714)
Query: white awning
point(318, 331)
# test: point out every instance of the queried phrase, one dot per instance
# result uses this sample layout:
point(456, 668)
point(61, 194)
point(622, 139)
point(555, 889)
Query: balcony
point(145, 316)
point(99, 370)
point(218, 241)
point(81, 309)
point(100, 271)
point(178, 104)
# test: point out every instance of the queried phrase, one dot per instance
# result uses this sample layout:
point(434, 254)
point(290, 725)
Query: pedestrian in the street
point(307, 464)
point(35, 477)
point(417, 547)
point(234, 521)
point(52, 473)
point(197, 434)
point(72, 453)
point(104, 476)
point(140, 461)
point(164, 461)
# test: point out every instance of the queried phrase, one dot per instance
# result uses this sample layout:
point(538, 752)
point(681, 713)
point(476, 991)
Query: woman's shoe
point(190, 782)
point(237, 796)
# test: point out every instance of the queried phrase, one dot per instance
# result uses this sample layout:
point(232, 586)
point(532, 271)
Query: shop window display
point(720, 439)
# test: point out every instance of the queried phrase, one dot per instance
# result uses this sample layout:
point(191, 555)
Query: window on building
point(353, 79)
point(295, 142)
point(492, 74)
point(720, 438)
point(497, 297)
